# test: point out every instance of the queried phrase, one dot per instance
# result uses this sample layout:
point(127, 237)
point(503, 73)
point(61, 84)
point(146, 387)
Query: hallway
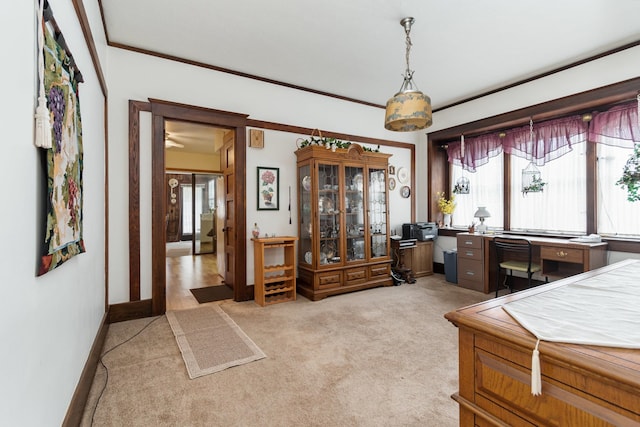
point(185, 272)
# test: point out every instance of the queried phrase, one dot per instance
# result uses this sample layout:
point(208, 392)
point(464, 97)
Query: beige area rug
point(210, 341)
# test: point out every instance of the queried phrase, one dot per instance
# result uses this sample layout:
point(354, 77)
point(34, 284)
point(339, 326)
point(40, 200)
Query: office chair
point(513, 254)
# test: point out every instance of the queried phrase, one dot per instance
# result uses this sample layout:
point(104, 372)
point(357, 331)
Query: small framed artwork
point(256, 138)
point(405, 191)
point(392, 170)
point(268, 188)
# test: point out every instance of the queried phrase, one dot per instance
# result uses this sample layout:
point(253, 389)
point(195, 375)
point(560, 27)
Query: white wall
point(47, 323)
point(140, 77)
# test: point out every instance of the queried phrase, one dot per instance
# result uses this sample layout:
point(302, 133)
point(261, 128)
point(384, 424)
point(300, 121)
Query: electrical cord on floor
point(106, 370)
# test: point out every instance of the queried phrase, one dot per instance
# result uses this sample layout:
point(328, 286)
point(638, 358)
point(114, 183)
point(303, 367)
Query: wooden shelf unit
point(274, 283)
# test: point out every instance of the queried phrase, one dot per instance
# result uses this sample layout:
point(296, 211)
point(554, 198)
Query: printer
point(422, 231)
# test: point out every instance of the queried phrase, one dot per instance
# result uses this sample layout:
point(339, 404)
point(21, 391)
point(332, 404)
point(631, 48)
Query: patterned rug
point(210, 341)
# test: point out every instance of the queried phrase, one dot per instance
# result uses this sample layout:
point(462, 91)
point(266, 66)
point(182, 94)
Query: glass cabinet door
point(329, 207)
point(305, 250)
point(377, 199)
point(354, 213)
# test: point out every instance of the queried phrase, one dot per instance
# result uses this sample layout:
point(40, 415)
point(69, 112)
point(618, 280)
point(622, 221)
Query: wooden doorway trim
point(165, 110)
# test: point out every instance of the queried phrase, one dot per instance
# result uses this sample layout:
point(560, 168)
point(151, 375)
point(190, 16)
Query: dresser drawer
point(562, 254)
point(469, 241)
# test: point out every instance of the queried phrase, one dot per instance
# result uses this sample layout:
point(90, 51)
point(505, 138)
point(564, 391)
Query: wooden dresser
point(581, 385)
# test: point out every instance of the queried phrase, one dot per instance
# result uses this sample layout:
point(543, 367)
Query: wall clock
point(405, 191)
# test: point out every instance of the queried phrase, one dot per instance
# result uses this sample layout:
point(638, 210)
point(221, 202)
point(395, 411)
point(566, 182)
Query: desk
point(559, 258)
point(582, 385)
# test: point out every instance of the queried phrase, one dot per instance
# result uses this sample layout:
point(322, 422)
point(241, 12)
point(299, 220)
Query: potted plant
point(631, 175)
point(536, 186)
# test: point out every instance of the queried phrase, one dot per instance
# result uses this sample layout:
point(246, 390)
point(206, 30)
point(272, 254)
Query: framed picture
point(392, 170)
point(268, 188)
point(256, 138)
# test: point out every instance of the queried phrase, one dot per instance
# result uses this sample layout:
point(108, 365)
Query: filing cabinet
point(471, 261)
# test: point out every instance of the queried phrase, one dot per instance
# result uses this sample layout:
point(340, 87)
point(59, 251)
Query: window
point(616, 215)
point(561, 206)
point(486, 189)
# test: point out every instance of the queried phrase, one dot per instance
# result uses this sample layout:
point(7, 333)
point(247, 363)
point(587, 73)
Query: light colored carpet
point(379, 357)
point(210, 341)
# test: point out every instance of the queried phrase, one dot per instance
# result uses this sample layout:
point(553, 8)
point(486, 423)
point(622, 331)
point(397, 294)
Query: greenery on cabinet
point(330, 143)
point(631, 175)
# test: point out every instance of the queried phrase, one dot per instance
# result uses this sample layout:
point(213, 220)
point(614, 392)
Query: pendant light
point(409, 109)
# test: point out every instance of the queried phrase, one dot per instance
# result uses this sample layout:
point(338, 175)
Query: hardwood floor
point(188, 272)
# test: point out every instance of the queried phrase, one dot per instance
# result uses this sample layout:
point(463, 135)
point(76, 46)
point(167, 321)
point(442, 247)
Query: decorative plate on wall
point(403, 175)
point(405, 191)
point(392, 184)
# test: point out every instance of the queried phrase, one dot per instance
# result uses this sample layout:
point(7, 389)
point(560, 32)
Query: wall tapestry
point(63, 228)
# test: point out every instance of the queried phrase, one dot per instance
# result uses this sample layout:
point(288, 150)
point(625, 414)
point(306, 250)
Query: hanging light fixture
point(409, 109)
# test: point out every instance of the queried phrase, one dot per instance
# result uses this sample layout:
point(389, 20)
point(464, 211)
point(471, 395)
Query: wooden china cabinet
point(344, 221)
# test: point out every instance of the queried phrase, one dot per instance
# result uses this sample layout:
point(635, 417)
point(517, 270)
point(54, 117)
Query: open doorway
point(191, 213)
point(192, 175)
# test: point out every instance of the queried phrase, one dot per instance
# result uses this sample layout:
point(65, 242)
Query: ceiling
point(356, 48)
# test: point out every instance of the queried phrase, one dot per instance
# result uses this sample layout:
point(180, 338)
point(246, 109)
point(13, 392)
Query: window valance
point(619, 126)
point(551, 139)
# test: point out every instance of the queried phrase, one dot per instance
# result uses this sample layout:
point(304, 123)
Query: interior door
point(227, 163)
point(220, 224)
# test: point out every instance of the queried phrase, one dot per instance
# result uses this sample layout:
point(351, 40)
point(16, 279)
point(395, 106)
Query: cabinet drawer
point(470, 253)
point(470, 269)
point(562, 254)
point(354, 276)
point(469, 241)
point(330, 279)
point(380, 270)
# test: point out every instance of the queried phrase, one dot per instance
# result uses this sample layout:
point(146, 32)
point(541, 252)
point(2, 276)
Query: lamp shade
point(408, 111)
point(482, 212)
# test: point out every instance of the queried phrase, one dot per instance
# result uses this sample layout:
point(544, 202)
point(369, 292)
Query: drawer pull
point(468, 253)
point(468, 242)
point(471, 273)
point(561, 254)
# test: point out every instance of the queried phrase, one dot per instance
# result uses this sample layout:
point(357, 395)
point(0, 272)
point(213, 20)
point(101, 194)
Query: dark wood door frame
point(165, 110)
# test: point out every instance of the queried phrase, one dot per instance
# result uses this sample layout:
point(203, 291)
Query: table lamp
point(482, 213)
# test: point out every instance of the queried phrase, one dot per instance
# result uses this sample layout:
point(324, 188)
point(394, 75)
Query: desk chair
point(513, 254)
